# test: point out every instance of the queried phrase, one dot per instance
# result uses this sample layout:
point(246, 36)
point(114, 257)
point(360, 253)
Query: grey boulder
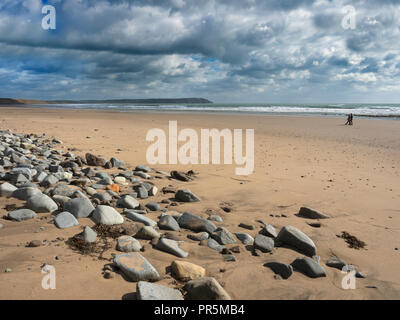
point(135, 267)
point(291, 236)
point(128, 202)
point(195, 223)
point(41, 203)
point(107, 215)
point(128, 244)
point(186, 196)
point(284, 270)
point(223, 236)
point(263, 243)
point(21, 214)
point(151, 291)
point(25, 193)
point(79, 207)
point(245, 238)
point(65, 220)
point(205, 289)
point(309, 267)
point(168, 223)
point(171, 247)
point(311, 213)
point(7, 189)
point(137, 217)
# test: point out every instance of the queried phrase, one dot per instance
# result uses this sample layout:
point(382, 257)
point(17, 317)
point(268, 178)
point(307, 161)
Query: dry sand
point(350, 173)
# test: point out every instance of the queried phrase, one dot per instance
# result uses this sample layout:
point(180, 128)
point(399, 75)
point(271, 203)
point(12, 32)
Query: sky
point(265, 51)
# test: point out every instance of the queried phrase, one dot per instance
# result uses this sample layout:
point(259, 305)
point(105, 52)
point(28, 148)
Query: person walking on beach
point(349, 120)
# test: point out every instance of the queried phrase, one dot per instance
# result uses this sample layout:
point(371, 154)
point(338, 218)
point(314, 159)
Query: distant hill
point(139, 101)
point(7, 101)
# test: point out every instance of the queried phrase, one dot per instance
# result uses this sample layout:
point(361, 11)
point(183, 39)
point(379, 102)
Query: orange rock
point(114, 187)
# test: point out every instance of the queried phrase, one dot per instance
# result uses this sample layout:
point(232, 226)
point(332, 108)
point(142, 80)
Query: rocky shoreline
point(118, 199)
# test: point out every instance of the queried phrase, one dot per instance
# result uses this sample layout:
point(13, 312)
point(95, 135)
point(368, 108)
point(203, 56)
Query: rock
point(312, 214)
point(212, 244)
point(116, 163)
point(65, 220)
point(79, 207)
point(120, 180)
point(172, 247)
point(49, 181)
point(34, 244)
point(40, 176)
point(135, 267)
point(151, 291)
point(89, 235)
point(61, 200)
point(41, 203)
point(142, 175)
point(153, 191)
point(7, 189)
point(185, 271)
point(215, 218)
point(153, 206)
point(181, 176)
point(63, 190)
point(245, 238)
point(284, 270)
point(103, 197)
point(1, 226)
point(147, 233)
point(199, 236)
point(108, 274)
point(137, 217)
point(128, 244)
point(141, 192)
point(107, 215)
point(186, 196)
point(206, 288)
point(335, 262)
point(168, 223)
point(309, 267)
point(128, 202)
point(195, 223)
point(268, 231)
point(95, 161)
point(263, 243)
point(25, 193)
point(21, 214)
point(293, 237)
point(143, 169)
point(223, 236)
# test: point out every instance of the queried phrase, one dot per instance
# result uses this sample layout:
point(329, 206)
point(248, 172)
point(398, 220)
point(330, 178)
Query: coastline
point(351, 173)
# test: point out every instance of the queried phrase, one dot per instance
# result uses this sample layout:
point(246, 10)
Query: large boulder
point(135, 267)
point(79, 207)
point(183, 270)
point(152, 291)
point(137, 217)
point(128, 202)
point(21, 214)
point(263, 243)
point(167, 222)
point(96, 161)
point(205, 289)
point(128, 244)
point(65, 220)
point(171, 247)
point(107, 215)
point(7, 189)
point(186, 196)
point(41, 203)
point(309, 267)
point(284, 270)
point(195, 223)
point(223, 236)
point(311, 213)
point(292, 236)
point(25, 193)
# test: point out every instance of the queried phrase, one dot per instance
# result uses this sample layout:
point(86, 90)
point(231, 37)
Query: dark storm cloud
point(227, 49)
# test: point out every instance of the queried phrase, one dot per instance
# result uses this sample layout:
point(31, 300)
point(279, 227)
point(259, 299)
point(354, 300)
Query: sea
point(382, 111)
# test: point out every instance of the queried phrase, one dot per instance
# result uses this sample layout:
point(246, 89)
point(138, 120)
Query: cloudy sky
point(293, 51)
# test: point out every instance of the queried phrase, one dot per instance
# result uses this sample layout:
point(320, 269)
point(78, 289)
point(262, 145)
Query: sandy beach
point(351, 174)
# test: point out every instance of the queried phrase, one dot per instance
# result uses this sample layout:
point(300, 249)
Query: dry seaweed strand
point(352, 241)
